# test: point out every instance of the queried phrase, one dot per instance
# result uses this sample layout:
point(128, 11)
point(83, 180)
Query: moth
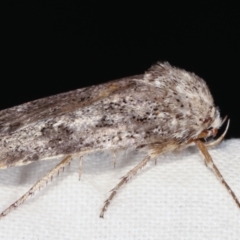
point(163, 110)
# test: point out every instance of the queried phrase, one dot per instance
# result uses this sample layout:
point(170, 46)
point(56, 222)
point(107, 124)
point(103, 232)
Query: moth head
point(212, 131)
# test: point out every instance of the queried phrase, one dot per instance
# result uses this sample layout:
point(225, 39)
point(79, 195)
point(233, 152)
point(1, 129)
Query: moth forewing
point(165, 109)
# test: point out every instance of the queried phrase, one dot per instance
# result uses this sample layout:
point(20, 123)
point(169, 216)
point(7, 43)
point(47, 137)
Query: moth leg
point(80, 167)
point(114, 158)
point(123, 181)
point(209, 162)
point(41, 183)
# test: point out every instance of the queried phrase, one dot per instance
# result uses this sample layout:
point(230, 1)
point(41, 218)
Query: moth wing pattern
point(164, 104)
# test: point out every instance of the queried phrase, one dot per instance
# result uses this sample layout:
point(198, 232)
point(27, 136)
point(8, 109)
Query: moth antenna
point(209, 162)
point(223, 121)
point(123, 181)
point(39, 184)
point(217, 141)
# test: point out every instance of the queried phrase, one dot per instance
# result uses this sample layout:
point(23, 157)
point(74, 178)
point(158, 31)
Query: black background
point(52, 47)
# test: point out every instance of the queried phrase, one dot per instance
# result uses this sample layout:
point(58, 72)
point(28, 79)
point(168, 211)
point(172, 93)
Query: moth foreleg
point(123, 181)
point(41, 183)
point(209, 162)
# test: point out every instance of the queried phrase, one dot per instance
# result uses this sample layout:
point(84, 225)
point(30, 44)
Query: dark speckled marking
point(126, 112)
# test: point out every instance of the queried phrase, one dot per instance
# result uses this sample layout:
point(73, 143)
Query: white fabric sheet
point(179, 198)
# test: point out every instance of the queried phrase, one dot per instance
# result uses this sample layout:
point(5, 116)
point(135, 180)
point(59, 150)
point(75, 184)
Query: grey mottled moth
point(162, 110)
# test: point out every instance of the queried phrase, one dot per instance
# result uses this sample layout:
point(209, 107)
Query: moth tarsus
point(162, 110)
point(38, 185)
point(123, 181)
